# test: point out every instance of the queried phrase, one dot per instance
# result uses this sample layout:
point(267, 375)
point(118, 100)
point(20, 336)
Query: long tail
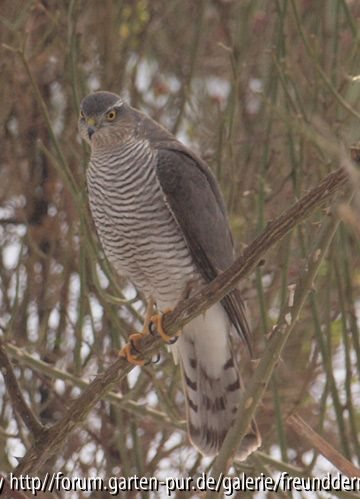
point(211, 383)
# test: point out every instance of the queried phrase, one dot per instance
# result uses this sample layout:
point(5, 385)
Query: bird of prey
point(162, 222)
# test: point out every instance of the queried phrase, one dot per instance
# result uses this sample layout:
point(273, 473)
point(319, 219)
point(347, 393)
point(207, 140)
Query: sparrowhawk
point(162, 223)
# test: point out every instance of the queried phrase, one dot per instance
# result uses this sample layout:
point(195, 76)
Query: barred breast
point(137, 230)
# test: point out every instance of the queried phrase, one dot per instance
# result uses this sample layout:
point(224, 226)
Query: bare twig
point(298, 425)
point(137, 409)
point(19, 404)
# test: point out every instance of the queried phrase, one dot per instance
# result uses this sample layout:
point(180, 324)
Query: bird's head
point(105, 118)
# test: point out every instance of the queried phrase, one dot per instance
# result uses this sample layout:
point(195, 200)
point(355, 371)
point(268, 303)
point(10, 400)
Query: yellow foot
point(157, 320)
point(128, 351)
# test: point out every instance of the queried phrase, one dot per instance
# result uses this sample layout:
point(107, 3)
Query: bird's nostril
point(90, 131)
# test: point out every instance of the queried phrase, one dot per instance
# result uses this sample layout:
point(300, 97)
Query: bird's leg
point(127, 350)
point(157, 321)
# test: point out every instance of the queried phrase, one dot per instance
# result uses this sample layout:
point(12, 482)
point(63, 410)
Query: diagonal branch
point(245, 263)
point(49, 443)
point(18, 401)
point(298, 425)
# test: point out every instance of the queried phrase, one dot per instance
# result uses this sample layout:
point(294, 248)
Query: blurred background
point(267, 92)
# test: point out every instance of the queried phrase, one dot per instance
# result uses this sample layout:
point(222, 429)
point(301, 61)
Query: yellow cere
point(91, 121)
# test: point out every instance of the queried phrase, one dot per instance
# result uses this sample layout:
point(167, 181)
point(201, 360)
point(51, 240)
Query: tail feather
point(212, 384)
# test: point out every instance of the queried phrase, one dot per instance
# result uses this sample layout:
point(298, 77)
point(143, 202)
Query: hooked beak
point(91, 127)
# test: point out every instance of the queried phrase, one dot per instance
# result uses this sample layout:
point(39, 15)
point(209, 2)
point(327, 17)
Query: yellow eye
point(111, 115)
point(82, 115)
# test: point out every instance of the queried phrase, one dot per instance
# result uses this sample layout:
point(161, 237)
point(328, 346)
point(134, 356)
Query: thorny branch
point(245, 263)
point(52, 439)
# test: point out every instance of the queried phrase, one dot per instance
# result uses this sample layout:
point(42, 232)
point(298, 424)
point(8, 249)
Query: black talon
point(152, 328)
point(157, 359)
point(153, 332)
point(174, 340)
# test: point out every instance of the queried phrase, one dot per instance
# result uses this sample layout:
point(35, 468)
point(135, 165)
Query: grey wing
point(196, 203)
